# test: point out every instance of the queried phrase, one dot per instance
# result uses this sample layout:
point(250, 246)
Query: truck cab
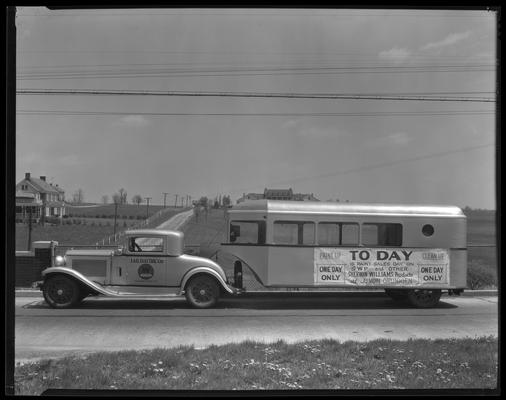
point(150, 263)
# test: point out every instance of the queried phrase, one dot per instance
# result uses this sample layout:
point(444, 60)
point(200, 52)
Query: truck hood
point(91, 252)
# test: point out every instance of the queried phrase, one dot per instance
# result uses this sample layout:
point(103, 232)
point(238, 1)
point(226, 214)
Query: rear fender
point(206, 271)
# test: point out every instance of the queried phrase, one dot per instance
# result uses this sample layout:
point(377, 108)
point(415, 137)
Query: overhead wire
point(334, 96)
point(381, 165)
point(279, 114)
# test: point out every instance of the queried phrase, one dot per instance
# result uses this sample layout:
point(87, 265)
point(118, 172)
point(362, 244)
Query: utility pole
point(147, 207)
point(115, 215)
point(164, 197)
point(175, 203)
point(29, 227)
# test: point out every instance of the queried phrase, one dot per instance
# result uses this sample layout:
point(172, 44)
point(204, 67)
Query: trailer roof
point(321, 207)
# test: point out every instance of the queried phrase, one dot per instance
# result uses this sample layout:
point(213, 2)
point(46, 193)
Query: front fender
point(208, 271)
point(77, 276)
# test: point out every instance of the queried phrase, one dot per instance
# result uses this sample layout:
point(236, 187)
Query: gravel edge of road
point(28, 292)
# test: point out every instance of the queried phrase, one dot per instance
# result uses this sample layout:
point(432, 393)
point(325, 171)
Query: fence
point(112, 240)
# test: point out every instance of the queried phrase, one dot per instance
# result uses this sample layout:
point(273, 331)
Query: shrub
point(480, 276)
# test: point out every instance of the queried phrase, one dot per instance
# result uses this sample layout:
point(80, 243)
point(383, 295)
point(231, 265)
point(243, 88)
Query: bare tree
point(137, 199)
point(105, 199)
point(123, 196)
point(78, 196)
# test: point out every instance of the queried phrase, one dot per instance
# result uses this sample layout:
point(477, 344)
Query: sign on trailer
point(381, 266)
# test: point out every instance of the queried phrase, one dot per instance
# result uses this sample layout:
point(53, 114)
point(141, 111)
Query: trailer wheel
point(397, 294)
point(424, 298)
point(202, 292)
point(61, 292)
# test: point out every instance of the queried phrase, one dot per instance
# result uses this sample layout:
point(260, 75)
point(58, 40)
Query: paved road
point(177, 221)
point(110, 324)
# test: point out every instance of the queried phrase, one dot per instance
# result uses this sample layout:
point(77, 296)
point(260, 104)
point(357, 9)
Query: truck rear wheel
point(397, 294)
point(202, 292)
point(61, 292)
point(424, 298)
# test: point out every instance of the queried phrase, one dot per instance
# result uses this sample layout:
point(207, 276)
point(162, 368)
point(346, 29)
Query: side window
point(145, 244)
point(288, 232)
point(382, 234)
point(252, 232)
point(337, 233)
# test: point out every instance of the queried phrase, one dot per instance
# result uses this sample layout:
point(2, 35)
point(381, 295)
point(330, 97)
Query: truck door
point(145, 262)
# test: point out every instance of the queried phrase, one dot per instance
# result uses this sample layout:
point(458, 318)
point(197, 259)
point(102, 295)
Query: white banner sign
point(381, 267)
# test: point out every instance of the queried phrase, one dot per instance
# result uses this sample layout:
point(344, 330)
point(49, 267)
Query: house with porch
point(38, 198)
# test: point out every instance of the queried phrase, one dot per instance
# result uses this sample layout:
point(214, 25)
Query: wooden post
point(29, 228)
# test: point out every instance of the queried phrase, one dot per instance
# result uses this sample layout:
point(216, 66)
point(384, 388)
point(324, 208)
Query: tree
point(226, 201)
point(123, 196)
point(105, 199)
point(78, 196)
point(116, 198)
point(203, 201)
point(137, 199)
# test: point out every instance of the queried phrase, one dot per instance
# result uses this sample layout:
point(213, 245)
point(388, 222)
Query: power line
point(334, 96)
point(132, 73)
point(414, 14)
point(382, 165)
point(281, 114)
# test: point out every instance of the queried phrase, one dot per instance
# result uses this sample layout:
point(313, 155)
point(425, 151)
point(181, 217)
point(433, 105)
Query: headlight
point(59, 261)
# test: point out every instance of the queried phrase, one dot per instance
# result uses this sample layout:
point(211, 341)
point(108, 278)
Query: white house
point(45, 199)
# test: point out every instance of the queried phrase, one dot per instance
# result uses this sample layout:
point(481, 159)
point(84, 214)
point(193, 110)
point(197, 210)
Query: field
point(125, 211)
point(86, 226)
point(325, 364)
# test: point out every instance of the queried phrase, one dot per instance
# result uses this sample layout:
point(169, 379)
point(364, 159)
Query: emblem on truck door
point(146, 271)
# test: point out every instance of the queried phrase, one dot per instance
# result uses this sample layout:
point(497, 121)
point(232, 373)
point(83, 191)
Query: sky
point(418, 148)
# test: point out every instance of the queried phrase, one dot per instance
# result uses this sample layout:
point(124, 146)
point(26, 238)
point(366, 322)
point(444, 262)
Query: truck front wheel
point(424, 298)
point(202, 292)
point(61, 292)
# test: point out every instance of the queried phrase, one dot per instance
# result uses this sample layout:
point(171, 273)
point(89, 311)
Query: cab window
point(294, 232)
point(247, 232)
point(145, 244)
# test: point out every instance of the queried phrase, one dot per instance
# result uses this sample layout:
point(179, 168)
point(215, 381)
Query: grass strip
point(326, 364)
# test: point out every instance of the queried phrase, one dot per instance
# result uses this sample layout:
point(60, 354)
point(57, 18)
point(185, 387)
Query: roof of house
point(278, 191)
point(42, 186)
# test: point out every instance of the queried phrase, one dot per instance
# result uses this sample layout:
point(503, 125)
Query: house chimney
point(43, 178)
point(27, 175)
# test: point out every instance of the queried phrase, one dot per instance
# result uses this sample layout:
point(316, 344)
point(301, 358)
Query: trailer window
point(296, 232)
point(337, 233)
point(252, 232)
point(382, 234)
